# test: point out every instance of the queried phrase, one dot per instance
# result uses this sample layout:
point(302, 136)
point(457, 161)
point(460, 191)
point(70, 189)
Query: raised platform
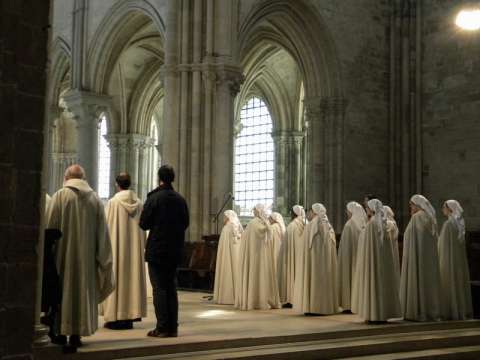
point(209, 331)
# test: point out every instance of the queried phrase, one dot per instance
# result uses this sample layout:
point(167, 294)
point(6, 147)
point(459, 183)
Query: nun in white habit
point(278, 234)
point(226, 270)
point(392, 231)
point(257, 285)
point(420, 278)
point(454, 272)
point(347, 252)
point(316, 285)
point(286, 260)
point(375, 292)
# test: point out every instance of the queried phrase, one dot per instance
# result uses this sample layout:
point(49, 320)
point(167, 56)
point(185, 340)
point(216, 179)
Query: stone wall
point(451, 109)
point(360, 32)
point(23, 44)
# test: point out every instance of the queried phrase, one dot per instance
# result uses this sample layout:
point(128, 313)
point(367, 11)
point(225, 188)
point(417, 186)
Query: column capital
point(231, 76)
point(86, 106)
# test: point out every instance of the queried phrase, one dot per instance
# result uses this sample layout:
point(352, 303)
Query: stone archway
point(299, 30)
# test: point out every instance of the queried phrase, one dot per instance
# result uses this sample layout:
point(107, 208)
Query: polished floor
point(202, 321)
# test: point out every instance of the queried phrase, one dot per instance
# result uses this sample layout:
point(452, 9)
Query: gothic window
point(103, 160)
point(254, 158)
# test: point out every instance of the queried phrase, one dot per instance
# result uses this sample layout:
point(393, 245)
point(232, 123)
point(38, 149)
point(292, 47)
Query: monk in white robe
point(392, 231)
point(226, 270)
point(375, 292)
point(420, 277)
point(347, 252)
point(286, 260)
point(257, 286)
point(278, 235)
point(454, 272)
point(128, 302)
point(316, 285)
point(83, 255)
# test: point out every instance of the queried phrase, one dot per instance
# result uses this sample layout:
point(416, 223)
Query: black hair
point(166, 174)
point(123, 181)
point(371, 196)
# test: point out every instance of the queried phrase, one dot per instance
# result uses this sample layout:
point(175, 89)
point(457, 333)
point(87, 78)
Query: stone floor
point(200, 321)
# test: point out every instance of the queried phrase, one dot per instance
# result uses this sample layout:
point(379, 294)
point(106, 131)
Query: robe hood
point(79, 186)
point(129, 201)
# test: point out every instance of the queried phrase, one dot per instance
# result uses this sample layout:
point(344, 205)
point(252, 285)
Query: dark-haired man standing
point(166, 216)
point(129, 300)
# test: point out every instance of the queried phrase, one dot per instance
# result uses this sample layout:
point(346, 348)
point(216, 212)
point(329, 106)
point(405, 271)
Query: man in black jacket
point(165, 214)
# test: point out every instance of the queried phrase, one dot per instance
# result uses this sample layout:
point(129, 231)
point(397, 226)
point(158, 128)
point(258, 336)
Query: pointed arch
point(297, 27)
point(111, 37)
point(60, 65)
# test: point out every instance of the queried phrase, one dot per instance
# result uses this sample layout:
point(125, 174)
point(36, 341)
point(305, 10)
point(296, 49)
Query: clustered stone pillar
point(325, 155)
point(289, 164)
point(201, 78)
point(131, 153)
point(62, 147)
point(87, 108)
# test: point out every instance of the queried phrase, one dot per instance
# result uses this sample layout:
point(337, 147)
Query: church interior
point(279, 102)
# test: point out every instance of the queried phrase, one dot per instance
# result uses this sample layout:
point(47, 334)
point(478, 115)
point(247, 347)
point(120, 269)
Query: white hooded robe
point(83, 256)
point(454, 273)
point(287, 259)
point(257, 285)
point(129, 300)
point(226, 270)
point(420, 278)
point(316, 284)
point(347, 260)
point(375, 291)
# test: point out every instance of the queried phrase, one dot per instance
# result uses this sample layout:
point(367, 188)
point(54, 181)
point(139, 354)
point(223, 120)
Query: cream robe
point(347, 260)
point(287, 259)
point(454, 274)
point(226, 270)
point(278, 236)
point(420, 278)
point(129, 300)
point(392, 232)
point(257, 286)
point(316, 284)
point(83, 256)
point(375, 291)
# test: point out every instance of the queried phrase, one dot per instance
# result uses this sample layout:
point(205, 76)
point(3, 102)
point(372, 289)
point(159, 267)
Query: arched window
point(103, 161)
point(254, 158)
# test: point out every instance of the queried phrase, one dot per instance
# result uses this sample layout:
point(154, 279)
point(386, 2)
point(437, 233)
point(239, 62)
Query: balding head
point(74, 172)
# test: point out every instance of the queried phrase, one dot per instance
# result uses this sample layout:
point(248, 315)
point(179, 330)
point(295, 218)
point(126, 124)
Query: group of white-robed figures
point(268, 265)
point(100, 258)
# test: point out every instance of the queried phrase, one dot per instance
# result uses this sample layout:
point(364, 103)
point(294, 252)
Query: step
point(125, 349)
point(338, 348)
point(457, 353)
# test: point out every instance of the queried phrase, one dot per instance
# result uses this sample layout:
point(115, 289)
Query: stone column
point(201, 78)
point(297, 174)
point(112, 141)
point(60, 162)
point(333, 112)
point(170, 80)
point(86, 108)
point(325, 155)
point(282, 172)
point(315, 152)
point(228, 85)
point(143, 158)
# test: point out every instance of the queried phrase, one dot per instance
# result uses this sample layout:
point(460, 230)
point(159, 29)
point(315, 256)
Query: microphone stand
point(215, 219)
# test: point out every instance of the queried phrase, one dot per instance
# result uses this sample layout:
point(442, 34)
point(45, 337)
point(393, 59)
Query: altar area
point(210, 331)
